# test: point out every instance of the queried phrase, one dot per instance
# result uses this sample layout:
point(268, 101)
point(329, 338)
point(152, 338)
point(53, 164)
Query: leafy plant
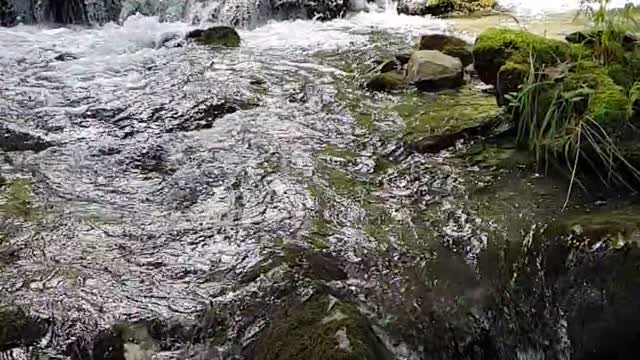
point(553, 122)
point(610, 28)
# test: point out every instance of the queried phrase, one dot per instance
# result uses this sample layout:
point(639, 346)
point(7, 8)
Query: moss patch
point(452, 116)
point(495, 47)
point(319, 328)
point(19, 199)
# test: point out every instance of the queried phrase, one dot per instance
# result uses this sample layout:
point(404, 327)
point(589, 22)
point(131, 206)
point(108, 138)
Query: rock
point(204, 114)
point(431, 70)
point(388, 81)
point(451, 117)
point(65, 57)
point(628, 41)
point(444, 7)
point(320, 327)
point(217, 36)
point(169, 40)
point(13, 138)
point(389, 65)
point(593, 260)
point(447, 44)
point(18, 329)
point(496, 47)
point(8, 16)
point(403, 58)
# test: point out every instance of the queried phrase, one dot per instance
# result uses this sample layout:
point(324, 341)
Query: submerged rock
point(65, 57)
point(431, 70)
point(320, 327)
point(388, 81)
point(13, 138)
point(449, 45)
point(18, 329)
point(444, 7)
point(8, 16)
point(216, 36)
point(453, 116)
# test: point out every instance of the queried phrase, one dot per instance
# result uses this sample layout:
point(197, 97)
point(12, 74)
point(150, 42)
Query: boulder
point(8, 16)
point(431, 70)
point(496, 47)
point(444, 7)
point(216, 36)
point(387, 81)
point(14, 138)
point(449, 45)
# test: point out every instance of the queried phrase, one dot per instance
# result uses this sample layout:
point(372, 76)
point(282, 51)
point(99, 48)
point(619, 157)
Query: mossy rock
point(608, 102)
point(217, 36)
point(496, 47)
point(388, 81)
point(627, 72)
point(18, 329)
point(320, 328)
point(450, 117)
point(442, 8)
point(449, 45)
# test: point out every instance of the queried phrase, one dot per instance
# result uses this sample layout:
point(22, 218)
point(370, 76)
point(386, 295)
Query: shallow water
point(176, 170)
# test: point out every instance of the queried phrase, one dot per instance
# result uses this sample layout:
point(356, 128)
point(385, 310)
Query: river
point(176, 176)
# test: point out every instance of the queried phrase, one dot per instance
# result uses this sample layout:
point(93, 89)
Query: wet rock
point(204, 114)
point(137, 340)
point(388, 81)
point(449, 45)
point(449, 118)
point(431, 70)
point(320, 327)
point(18, 329)
point(388, 66)
point(8, 16)
point(65, 57)
point(170, 40)
point(444, 7)
point(216, 36)
point(14, 138)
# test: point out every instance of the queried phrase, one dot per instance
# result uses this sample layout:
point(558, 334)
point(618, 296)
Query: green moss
point(458, 7)
point(510, 76)
point(19, 200)
point(435, 125)
point(608, 102)
point(321, 328)
point(388, 81)
point(617, 228)
point(334, 151)
point(495, 47)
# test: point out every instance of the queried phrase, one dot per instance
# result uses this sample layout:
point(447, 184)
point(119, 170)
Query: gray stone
point(13, 138)
point(431, 70)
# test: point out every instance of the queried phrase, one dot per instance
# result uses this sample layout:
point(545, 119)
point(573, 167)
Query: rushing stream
point(172, 175)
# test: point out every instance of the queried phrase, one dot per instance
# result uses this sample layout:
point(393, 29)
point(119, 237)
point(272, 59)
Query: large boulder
point(431, 70)
point(444, 7)
point(449, 45)
point(216, 36)
point(496, 47)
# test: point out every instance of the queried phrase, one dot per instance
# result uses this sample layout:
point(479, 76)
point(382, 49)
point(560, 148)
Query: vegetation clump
point(496, 48)
point(322, 327)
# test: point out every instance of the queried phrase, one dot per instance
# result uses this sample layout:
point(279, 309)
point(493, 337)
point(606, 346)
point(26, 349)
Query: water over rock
point(14, 138)
point(217, 36)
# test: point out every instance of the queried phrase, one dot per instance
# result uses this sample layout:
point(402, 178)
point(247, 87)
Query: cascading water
point(173, 180)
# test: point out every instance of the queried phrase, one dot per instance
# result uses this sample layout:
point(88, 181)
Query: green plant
point(557, 119)
point(610, 28)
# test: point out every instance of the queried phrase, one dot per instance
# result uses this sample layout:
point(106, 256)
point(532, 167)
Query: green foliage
point(566, 117)
point(610, 27)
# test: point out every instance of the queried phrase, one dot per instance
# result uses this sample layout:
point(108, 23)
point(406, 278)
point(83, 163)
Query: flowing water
point(176, 172)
